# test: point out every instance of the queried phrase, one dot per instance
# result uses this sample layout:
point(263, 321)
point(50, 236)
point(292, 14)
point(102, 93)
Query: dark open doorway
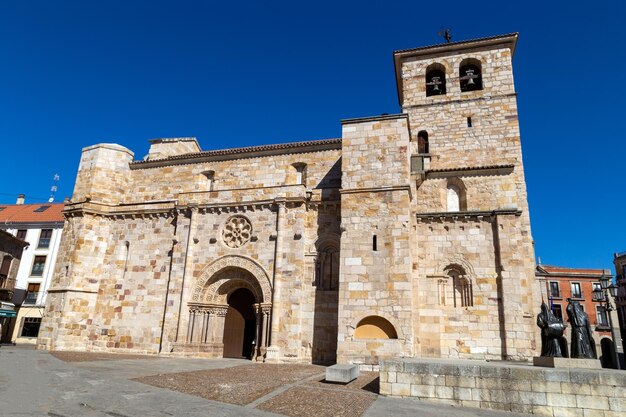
point(240, 325)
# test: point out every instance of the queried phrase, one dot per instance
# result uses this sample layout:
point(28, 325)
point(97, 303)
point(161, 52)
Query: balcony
point(6, 294)
point(31, 298)
point(7, 286)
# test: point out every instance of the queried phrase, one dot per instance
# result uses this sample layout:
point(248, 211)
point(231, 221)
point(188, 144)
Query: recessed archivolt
point(227, 274)
point(457, 263)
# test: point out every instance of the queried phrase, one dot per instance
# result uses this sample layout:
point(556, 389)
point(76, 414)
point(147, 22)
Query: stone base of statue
point(549, 362)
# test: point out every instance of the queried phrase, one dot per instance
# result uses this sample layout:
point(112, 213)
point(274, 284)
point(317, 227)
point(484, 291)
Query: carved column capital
point(266, 308)
point(219, 311)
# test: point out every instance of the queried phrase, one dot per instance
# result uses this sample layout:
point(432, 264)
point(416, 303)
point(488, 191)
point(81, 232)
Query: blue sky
point(76, 73)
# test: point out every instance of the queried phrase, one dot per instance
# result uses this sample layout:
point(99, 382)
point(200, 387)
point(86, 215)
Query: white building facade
point(41, 225)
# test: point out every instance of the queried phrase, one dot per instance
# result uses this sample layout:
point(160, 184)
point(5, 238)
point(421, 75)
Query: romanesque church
point(408, 236)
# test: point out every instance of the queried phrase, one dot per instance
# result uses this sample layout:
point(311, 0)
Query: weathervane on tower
point(446, 33)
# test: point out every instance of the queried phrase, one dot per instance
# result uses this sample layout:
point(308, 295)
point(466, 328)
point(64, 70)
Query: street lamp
point(602, 294)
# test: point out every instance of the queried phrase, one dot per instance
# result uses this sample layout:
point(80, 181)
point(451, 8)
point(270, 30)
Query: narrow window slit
point(374, 243)
point(469, 122)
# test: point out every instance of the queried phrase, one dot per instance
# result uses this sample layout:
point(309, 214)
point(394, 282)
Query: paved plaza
point(63, 384)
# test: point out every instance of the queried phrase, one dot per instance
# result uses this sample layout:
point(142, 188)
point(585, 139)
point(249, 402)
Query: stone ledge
point(507, 386)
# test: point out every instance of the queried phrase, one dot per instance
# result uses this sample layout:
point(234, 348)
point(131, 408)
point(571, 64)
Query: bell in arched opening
point(435, 80)
point(470, 75)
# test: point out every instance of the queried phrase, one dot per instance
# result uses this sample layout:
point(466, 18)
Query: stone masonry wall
point(375, 201)
point(129, 264)
point(501, 386)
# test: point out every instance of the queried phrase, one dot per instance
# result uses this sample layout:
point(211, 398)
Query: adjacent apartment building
point(11, 249)
point(41, 226)
point(559, 284)
point(619, 261)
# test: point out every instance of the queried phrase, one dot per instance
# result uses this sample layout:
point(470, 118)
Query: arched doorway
point(240, 325)
point(608, 353)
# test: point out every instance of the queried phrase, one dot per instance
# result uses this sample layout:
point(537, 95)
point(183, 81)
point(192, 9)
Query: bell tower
point(473, 249)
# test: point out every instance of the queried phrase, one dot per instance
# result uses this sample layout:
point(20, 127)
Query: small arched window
point(422, 142)
point(435, 80)
point(300, 172)
point(209, 179)
point(463, 295)
point(470, 75)
point(454, 198)
point(327, 268)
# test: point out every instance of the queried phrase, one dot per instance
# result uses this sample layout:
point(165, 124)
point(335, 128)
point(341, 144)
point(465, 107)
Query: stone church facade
point(409, 236)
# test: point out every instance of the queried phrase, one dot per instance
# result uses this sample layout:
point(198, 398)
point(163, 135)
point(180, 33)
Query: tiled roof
point(551, 269)
point(489, 38)
point(249, 149)
point(27, 213)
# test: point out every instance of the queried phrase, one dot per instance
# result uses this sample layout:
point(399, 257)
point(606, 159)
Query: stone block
point(385, 388)
point(567, 412)
point(566, 363)
point(522, 408)
point(342, 373)
point(561, 400)
point(401, 390)
point(592, 402)
point(594, 413)
point(571, 388)
point(460, 381)
point(543, 410)
point(617, 404)
point(557, 375)
point(445, 392)
point(547, 387)
point(462, 394)
point(423, 391)
point(583, 376)
point(533, 398)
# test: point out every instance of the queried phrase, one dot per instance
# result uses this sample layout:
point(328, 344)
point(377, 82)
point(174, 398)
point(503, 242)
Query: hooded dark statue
point(551, 332)
point(582, 342)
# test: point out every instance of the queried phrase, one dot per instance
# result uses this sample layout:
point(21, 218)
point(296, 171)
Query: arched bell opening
point(435, 80)
point(240, 325)
point(470, 75)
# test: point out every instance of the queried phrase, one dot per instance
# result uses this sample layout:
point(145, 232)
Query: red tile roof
point(25, 213)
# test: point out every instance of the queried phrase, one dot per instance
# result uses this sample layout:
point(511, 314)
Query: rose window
point(237, 231)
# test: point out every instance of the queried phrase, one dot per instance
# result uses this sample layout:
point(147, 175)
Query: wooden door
point(234, 325)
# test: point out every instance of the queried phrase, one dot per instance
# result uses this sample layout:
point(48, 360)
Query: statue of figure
point(551, 332)
point(583, 346)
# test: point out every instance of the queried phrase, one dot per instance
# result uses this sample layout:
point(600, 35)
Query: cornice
point(240, 153)
point(465, 215)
